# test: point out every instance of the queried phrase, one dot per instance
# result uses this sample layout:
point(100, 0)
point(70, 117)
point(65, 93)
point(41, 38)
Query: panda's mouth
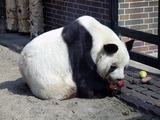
point(116, 86)
point(119, 82)
point(110, 79)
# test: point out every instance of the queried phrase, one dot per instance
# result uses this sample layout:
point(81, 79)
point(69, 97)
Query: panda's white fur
point(45, 64)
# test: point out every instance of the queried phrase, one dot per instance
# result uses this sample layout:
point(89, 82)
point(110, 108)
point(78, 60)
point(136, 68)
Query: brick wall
point(58, 13)
point(140, 15)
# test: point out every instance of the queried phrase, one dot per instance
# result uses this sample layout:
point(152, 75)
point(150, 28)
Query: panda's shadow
point(17, 87)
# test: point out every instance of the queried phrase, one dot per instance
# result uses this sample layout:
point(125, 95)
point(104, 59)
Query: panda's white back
point(44, 63)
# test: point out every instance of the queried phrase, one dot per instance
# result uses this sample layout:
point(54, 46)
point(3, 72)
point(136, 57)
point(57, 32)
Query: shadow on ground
point(143, 117)
point(17, 87)
point(13, 41)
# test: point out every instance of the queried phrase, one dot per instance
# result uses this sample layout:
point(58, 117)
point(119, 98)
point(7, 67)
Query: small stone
point(126, 113)
point(55, 103)
point(76, 103)
point(72, 111)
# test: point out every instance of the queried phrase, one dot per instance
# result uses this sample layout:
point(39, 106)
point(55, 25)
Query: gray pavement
point(14, 41)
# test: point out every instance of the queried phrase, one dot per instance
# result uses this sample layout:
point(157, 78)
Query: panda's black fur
point(79, 42)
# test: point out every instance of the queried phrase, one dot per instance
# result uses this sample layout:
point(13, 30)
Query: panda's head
point(112, 60)
point(108, 52)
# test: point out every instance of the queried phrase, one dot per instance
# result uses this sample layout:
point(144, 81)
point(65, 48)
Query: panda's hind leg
point(66, 90)
point(59, 88)
point(69, 93)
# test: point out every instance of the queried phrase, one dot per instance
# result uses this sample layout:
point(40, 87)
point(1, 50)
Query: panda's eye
point(111, 69)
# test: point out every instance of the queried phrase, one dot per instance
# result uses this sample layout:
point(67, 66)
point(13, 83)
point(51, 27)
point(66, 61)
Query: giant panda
point(78, 60)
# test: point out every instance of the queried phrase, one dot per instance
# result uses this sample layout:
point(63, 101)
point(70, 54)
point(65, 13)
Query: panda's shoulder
point(88, 22)
point(84, 20)
point(75, 31)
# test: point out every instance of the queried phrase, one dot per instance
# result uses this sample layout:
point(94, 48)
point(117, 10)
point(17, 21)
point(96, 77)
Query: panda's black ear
point(129, 44)
point(110, 48)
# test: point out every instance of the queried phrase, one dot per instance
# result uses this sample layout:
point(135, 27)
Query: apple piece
point(143, 74)
point(121, 83)
point(113, 86)
point(146, 79)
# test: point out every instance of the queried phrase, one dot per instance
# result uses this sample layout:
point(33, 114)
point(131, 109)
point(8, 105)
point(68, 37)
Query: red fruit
point(120, 83)
point(112, 86)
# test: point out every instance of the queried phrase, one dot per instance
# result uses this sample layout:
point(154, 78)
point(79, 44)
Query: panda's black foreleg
point(90, 62)
point(87, 46)
point(91, 85)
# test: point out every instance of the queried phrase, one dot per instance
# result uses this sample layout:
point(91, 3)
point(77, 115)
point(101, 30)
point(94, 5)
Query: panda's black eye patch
point(111, 69)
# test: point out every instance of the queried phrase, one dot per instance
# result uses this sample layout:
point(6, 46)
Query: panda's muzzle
point(111, 80)
point(108, 77)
